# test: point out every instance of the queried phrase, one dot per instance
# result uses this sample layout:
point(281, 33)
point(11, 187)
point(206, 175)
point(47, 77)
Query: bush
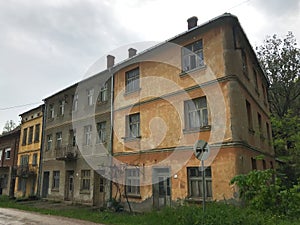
point(259, 191)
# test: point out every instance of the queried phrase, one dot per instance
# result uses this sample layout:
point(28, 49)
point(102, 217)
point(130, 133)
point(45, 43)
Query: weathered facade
point(203, 84)
point(77, 128)
point(27, 170)
point(9, 145)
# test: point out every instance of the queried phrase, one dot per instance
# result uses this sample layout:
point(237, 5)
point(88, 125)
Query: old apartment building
point(77, 128)
point(9, 146)
point(204, 84)
point(27, 170)
point(136, 123)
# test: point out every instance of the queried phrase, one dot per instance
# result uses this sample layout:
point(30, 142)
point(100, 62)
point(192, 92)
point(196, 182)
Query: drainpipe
point(111, 128)
point(41, 151)
point(12, 176)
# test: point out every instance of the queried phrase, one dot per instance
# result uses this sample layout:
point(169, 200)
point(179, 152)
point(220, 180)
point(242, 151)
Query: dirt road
point(18, 217)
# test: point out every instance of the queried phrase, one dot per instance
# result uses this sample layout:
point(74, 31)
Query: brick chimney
point(110, 61)
point(131, 52)
point(192, 22)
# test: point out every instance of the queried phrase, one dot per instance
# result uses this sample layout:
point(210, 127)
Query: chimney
point(110, 61)
point(131, 52)
point(192, 22)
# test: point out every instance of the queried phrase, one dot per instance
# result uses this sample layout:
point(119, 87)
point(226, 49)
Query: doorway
point(69, 185)
point(45, 184)
point(161, 187)
point(99, 190)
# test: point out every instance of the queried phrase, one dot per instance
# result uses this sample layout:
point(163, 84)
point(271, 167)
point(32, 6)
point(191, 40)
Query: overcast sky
point(46, 46)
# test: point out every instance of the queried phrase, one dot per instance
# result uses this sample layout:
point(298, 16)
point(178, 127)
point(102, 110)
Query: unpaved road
point(19, 217)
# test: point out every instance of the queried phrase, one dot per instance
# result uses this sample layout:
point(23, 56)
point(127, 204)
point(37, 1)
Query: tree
point(280, 60)
point(9, 126)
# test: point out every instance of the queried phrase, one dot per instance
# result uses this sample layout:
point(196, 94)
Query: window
point(56, 175)
point(90, 95)
point(103, 93)
point(49, 142)
point(132, 80)
point(268, 132)
point(102, 184)
point(244, 62)
point(192, 56)
point(7, 153)
point(51, 111)
point(133, 181)
point(101, 127)
point(75, 102)
point(133, 125)
point(24, 141)
point(249, 115)
point(264, 93)
point(259, 123)
point(61, 110)
point(195, 182)
point(58, 140)
point(30, 136)
point(37, 133)
point(34, 159)
point(253, 164)
point(264, 164)
point(88, 135)
point(72, 138)
point(24, 160)
point(85, 179)
point(196, 114)
point(255, 79)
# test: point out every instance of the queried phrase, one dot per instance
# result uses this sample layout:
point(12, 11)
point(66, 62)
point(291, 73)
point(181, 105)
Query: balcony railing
point(26, 170)
point(66, 153)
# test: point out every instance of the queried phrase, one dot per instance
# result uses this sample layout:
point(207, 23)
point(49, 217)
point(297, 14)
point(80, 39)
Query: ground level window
point(56, 175)
point(85, 180)
point(133, 181)
point(195, 182)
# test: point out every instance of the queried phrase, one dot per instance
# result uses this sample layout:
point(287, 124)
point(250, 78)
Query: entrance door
point(45, 185)
point(99, 190)
point(70, 185)
point(161, 187)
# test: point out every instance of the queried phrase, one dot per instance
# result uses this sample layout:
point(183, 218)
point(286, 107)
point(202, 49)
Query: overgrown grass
point(216, 214)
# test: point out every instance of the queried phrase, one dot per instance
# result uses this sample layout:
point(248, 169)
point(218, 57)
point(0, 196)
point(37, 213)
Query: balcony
point(66, 153)
point(26, 170)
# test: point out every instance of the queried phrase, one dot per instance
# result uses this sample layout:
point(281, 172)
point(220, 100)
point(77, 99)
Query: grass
point(216, 213)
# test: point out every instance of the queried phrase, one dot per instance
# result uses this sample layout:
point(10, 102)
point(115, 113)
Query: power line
point(239, 4)
point(19, 106)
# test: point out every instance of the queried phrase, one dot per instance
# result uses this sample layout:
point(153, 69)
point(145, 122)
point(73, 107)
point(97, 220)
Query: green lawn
point(216, 213)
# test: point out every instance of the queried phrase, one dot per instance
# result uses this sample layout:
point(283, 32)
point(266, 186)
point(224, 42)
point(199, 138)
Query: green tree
point(9, 126)
point(280, 59)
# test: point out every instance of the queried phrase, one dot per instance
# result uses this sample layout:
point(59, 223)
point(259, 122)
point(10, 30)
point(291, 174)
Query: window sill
point(128, 139)
point(198, 199)
point(54, 190)
point(194, 130)
point(131, 92)
point(129, 195)
point(99, 102)
point(185, 73)
point(85, 192)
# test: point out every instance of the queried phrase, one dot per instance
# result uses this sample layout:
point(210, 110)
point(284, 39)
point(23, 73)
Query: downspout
point(111, 129)
point(41, 151)
point(12, 177)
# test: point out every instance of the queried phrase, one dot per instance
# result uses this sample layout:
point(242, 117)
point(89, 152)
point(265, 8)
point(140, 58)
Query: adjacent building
point(9, 145)
point(76, 143)
point(27, 170)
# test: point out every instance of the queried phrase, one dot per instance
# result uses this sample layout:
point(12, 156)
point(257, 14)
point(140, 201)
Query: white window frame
point(7, 156)
point(62, 107)
point(49, 142)
point(51, 111)
point(58, 140)
point(75, 103)
point(133, 126)
point(88, 135)
point(90, 96)
point(196, 113)
point(192, 56)
point(132, 176)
